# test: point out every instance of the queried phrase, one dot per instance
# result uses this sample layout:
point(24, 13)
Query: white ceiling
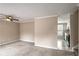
point(28, 11)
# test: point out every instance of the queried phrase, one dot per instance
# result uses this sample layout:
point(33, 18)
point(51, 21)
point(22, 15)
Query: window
point(61, 29)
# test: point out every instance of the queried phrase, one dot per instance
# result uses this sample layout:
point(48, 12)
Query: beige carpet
point(27, 49)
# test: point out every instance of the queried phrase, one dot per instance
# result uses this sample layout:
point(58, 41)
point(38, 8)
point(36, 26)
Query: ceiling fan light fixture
point(9, 17)
point(8, 20)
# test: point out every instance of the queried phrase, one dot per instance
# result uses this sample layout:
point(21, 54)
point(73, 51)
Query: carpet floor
point(28, 49)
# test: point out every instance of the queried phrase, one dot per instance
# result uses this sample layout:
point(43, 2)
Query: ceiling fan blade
point(11, 18)
point(15, 19)
point(2, 15)
point(2, 18)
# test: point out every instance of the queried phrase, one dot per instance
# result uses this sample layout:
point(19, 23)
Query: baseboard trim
point(9, 42)
point(27, 41)
point(46, 47)
point(54, 48)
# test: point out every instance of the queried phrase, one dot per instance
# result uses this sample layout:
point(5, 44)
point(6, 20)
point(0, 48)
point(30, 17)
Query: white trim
point(26, 21)
point(54, 48)
point(27, 41)
point(45, 17)
point(9, 42)
point(46, 47)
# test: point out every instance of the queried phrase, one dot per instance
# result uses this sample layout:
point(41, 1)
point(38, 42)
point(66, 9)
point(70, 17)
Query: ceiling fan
point(9, 18)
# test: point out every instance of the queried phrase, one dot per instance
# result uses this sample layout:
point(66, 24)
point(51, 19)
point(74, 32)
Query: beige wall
point(9, 32)
point(74, 29)
point(78, 26)
point(27, 31)
point(46, 32)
